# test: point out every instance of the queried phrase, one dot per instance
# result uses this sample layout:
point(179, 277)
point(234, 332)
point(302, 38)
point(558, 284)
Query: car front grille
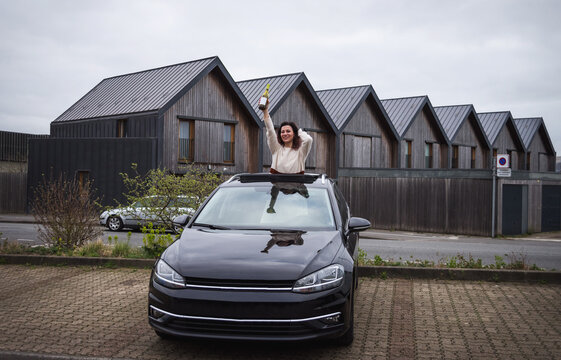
point(239, 284)
point(243, 329)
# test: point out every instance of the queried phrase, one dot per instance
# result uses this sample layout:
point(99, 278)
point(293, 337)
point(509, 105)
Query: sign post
point(501, 168)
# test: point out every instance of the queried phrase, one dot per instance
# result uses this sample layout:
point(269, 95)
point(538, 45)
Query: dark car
point(266, 257)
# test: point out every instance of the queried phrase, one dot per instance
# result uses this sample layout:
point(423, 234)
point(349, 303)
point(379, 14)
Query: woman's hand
point(266, 110)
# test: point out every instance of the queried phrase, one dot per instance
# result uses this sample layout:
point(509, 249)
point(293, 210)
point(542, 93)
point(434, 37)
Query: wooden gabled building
point(367, 138)
point(470, 148)
point(504, 137)
point(424, 144)
point(166, 117)
point(540, 154)
point(292, 98)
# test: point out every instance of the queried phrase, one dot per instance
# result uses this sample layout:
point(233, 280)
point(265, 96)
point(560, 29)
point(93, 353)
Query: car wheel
point(114, 223)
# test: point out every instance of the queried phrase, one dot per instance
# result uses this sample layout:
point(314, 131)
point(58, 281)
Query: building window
point(455, 156)
point(122, 128)
point(229, 142)
point(509, 152)
point(528, 161)
point(408, 155)
point(186, 140)
point(473, 157)
point(428, 155)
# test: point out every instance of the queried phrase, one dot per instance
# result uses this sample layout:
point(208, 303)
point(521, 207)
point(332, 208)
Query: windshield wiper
point(213, 227)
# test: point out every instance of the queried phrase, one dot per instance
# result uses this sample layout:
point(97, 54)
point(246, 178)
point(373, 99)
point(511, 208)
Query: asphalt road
point(396, 246)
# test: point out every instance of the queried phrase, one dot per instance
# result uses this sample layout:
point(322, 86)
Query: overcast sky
point(495, 54)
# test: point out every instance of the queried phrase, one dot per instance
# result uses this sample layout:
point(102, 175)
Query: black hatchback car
point(266, 257)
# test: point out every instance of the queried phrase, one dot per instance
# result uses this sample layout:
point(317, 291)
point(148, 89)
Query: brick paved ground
point(82, 311)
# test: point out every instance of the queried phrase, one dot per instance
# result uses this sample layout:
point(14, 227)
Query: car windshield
point(271, 206)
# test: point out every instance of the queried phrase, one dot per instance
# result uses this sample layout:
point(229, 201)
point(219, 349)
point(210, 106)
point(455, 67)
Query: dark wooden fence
point(441, 201)
point(13, 192)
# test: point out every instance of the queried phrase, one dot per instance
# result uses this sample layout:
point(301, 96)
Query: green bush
point(156, 240)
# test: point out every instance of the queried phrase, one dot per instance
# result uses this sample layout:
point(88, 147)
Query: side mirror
point(358, 224)
point(181, 220)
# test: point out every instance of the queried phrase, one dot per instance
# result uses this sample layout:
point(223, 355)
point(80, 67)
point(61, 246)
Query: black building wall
point(139, 126)
point(102, 159)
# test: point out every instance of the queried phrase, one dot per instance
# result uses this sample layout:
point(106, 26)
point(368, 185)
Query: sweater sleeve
point(307, 141)
point(271, 135)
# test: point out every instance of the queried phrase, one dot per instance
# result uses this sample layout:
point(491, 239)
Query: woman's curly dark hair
point(296, 142)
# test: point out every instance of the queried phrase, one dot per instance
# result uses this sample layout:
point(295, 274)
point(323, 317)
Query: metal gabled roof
point(402, 111)
point(281, 86)
point(342, 103)
point(452, 117)
point(142, 91)
point(493, 122)
point(528, 128)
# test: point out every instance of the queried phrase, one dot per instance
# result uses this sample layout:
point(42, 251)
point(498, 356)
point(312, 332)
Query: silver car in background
point(151, 209)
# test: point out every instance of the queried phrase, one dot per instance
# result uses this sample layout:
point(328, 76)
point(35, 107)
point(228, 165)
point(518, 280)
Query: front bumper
point(249, 315)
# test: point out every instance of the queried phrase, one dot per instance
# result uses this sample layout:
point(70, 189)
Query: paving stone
point(96, 312)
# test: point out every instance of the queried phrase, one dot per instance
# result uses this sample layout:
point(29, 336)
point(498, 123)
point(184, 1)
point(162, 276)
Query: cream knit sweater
point(287, 160)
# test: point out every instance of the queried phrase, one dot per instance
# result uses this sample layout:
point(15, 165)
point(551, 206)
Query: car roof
point(307, 178)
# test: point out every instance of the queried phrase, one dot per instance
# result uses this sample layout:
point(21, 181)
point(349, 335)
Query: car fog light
point(332, 320)
point(155, 313)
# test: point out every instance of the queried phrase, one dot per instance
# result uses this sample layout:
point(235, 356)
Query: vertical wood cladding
point(13, 191)
point(366, 141)
point(448, 205)
point(466, 138)
point(505, 143)
point(300, 108)
point(103, 159)
point(210, 102)
point(540, 157)
point(422, 131)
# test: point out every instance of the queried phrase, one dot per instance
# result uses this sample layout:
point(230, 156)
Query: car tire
point(114, 223)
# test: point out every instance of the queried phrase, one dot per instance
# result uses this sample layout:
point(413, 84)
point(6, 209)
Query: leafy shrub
point(156, 240)
point(66, 212)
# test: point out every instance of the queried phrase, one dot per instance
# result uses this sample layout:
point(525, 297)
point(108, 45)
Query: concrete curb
point(550, 277)
point(75, 261)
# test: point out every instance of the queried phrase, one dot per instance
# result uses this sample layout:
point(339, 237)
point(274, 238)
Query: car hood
point(251, 254)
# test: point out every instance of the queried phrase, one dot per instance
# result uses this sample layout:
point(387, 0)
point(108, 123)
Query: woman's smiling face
point(287, 135)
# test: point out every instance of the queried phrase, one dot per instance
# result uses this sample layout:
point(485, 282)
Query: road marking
point(25, 240)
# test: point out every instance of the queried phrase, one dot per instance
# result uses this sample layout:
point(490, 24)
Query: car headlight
point(168, 277)
point(326, 278)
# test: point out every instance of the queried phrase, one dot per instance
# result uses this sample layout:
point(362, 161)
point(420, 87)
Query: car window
point(278, 206)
